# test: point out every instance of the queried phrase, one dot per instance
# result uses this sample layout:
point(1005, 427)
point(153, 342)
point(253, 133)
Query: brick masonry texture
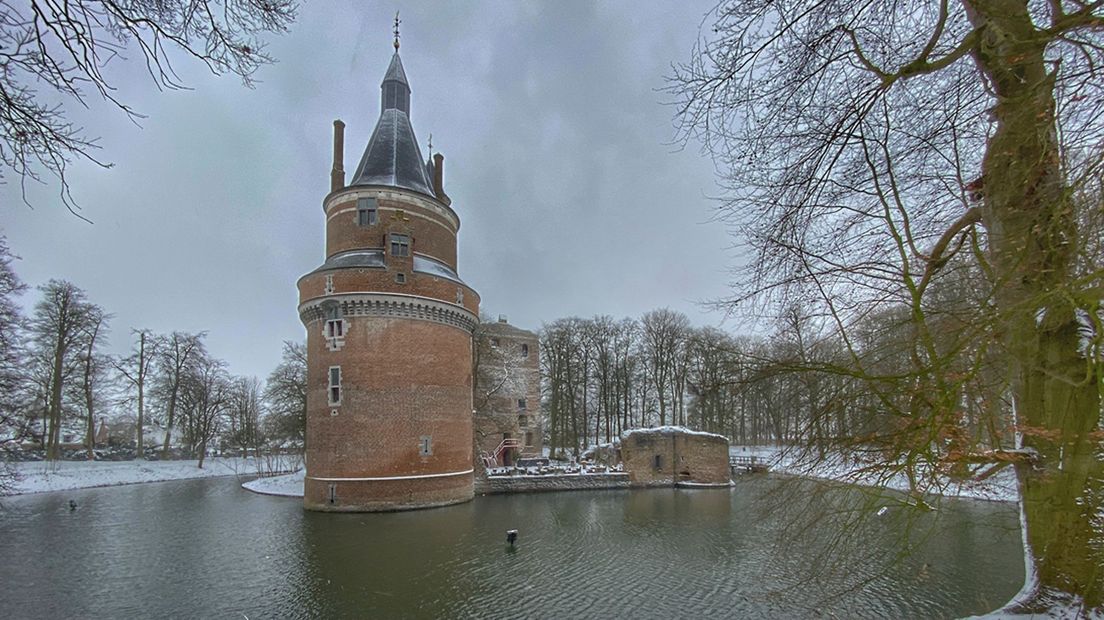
point(683, 457)
point(430, 233)
point(377, 280)
point(402, 378)
point(499, 414)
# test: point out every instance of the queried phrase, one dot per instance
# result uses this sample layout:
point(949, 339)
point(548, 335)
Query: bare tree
point(205, 400)
point(92, 369)
point(494, 368)
point(244, 413)
point(663, 332)
point(285, 395)
point(135, 369)
point(58, 324)
point(66, 48)
point(869, 149)
point(177, 351)
point(12, 326)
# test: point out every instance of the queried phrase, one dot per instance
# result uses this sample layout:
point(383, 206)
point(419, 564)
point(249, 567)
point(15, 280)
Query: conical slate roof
point(395, 71)
point(393, 157)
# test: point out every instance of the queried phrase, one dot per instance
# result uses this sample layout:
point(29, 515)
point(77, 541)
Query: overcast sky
point(559, 161)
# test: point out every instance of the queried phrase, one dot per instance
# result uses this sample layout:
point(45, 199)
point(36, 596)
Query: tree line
point(801, 383)
point(56, 379)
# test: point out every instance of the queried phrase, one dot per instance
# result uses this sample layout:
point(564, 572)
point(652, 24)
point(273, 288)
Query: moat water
point(209, 549)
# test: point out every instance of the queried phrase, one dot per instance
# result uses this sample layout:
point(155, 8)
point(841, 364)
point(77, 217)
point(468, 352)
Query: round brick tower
point(389, 324)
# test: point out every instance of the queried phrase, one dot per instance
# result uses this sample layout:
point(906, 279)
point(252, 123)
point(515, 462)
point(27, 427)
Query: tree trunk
point(202, 452)
point(1055, 384)
point(141, 393)
point(169, 425)
point(53, 449)
point(90, 436)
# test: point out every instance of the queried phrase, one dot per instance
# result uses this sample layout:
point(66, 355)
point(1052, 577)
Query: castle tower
point(389, 330)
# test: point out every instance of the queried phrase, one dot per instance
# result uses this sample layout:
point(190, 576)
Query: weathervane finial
point(431, 143)
point(397, 22)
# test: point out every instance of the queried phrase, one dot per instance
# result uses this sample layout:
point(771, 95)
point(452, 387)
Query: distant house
point(507, 420)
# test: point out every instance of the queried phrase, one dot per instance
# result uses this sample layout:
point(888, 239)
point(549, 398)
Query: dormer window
point(367, 214)
point(400, 245)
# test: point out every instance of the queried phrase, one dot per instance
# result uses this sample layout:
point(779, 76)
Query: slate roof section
point(352, 259)
point(374, 258)
point(395, 71)
point(392, 157)
point(432, 267)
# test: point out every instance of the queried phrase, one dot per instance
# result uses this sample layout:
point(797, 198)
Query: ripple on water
point(206, 548)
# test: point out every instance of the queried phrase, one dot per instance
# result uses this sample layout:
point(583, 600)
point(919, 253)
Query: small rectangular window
point(522, 421)
point(400, 278)
point(400, 245)
point(658, 463)
point(529, 438)
point(525, 350)
point(335, 385)
point(335, 328)
point(366, 212)
point(333, 493)
point(521, 404)
point(425, 445)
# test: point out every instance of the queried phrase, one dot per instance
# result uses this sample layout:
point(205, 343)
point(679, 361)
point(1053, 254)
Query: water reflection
point(206, 548)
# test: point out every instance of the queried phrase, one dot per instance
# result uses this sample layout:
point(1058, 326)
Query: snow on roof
point(426, 265)
point(671, 430)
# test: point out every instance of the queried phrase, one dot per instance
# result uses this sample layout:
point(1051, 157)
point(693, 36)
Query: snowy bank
point(1001, 487)
point(287, 485)
point(44, 476)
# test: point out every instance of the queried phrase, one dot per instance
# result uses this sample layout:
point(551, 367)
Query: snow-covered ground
point(287, 485)
point(1001, 487)
point(43, 477)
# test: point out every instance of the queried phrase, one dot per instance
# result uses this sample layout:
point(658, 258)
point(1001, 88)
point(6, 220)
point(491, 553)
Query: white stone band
point(386, 478)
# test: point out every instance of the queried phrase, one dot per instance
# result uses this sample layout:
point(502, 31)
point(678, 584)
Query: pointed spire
point(396, 90)
point(392, 157)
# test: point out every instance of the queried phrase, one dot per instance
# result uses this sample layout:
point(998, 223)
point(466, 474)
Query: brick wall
point(401, 380)
point(431, 234)
point(313, 286)
point(682, 457)
point(536, 484)
point(504, 376)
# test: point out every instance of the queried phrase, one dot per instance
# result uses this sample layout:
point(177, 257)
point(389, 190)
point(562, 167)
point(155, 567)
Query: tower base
point(386, 495)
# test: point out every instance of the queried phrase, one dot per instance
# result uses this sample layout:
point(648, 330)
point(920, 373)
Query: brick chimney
point(337, 175)
point(439, 175)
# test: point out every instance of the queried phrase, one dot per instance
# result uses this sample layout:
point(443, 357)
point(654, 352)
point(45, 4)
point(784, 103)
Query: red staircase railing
point(491, 459)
